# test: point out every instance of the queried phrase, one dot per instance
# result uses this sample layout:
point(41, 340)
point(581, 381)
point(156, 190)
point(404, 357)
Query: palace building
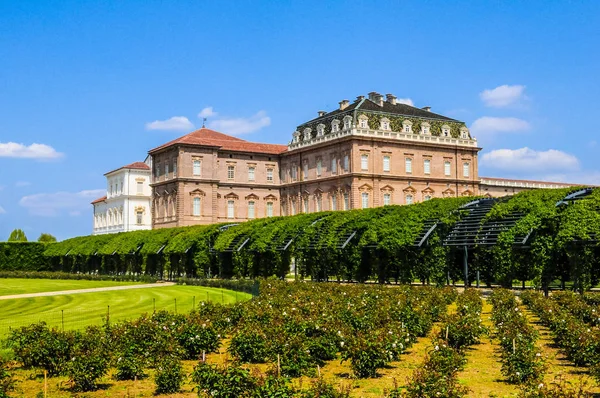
point(374, 151)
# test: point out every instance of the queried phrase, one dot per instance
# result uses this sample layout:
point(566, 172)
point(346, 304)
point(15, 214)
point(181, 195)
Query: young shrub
point(195, 338)
point(249, 345)
point(130, 367)
point(7, 382)
point(168, 376)
point(38, 346)
point(89, 361)
point(216, 382)
point(366, 355)
point(559, 388)
point(321, 389)
point(271, 386)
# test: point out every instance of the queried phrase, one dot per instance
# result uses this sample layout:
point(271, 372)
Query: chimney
point(321, 113)
point(360, 98)
point(373, 96)
point(391, 98)
point(343, 104)
point(426, 108)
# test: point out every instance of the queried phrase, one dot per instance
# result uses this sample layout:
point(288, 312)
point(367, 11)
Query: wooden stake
point(447, 329)
point(45, 384)
point(514, 346)
point(278, 366)
point(319, 371)
point(203, 356)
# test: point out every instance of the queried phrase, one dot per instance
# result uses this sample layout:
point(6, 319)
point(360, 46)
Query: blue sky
point(81, 83)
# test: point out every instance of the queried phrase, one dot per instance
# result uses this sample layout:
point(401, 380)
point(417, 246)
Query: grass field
point(22, 286)
point(75, 311)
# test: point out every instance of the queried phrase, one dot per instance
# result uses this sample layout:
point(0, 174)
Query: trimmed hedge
point(23, 256)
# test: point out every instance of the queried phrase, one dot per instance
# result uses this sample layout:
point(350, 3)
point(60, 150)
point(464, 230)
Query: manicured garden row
point(579, 307)
point(438, 374)
point(522, 361)
point(580, 341)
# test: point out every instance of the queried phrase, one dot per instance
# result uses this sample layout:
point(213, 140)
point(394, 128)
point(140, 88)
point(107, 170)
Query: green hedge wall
point(23, 256)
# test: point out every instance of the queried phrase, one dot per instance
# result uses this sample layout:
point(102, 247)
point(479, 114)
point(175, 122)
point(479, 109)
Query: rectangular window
point(346, 163)
point(364, 162)
point(269, 209)
point(305, 171)
point(306, 204)
point(166, 170)
point(466, 169)
point(139, 217)
point(319, 167)
point(251, 209)
point(270, 175)
point(386, 163)
point(196, 207)
point(387, 199)
point(197, 167)
point(294, 172)
point(230, 209)
point(409, 199)
point(293, 207)
point(251, 173)
point(230, 172)
point(334, 202)
point(408, 165)
point(447, 168)
point(333, 165)
point(346, 201)
point(319, 203)
point(427, 166)
point(174, 168)
point(365, 200)
point(140, 187)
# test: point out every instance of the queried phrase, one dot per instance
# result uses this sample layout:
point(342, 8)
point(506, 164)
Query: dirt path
point(80, 291)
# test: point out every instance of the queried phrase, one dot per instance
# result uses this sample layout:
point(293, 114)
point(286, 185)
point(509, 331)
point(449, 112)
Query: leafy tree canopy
point(47, 238)
point(17, 236)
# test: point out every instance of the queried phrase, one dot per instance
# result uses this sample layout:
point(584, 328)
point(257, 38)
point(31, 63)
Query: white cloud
point(176, 123)
point(527, 160)
point(406, 101)
point(2, 211)
point(33, 151)
point(236, 126)
point(207, 112)
point(22, 184)
point(55, 204)
point(502, 96)
point(491, 125)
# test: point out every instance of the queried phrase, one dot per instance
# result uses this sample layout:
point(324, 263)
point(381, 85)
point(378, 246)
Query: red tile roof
point(134, 166)
point(207, 137)
point(102, 199)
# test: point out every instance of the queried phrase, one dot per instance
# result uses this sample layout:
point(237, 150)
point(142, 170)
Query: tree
point(46, 238)
point(17, 236)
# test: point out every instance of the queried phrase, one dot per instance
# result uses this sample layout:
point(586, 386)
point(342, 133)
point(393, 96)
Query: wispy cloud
point(176, 123)
point(237, 126)
point(406, 101)
point(207, 112)
point(489, 125)
point(502, 96)
point(33, 151)
point(58, 203)
point(527, 160)
point(2, 211)
point(22, 184)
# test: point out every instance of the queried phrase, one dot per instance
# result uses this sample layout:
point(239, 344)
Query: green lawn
point(80, 310)
point(22, 286)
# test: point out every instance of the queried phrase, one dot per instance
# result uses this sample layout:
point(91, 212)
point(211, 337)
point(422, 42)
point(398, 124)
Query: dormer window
point(307, 132)
point(363, 122)
point(446, 130)
point(296, 136)
point(347, 122)
point(384, 124)
point(320, 130)
point(425, 128)
point(464, 133)
point(407, 126)
point(335, 126)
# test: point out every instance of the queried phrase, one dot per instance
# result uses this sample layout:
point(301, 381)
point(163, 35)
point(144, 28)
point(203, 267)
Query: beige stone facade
point(369, 153)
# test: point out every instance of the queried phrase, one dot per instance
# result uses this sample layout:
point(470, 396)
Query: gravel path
point(79, 291)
